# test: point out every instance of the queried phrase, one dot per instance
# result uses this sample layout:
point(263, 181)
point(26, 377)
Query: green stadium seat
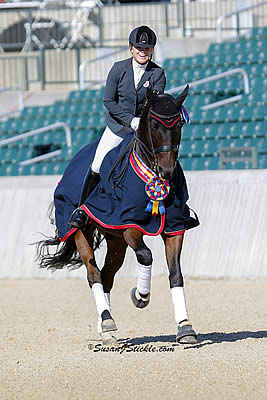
point(197, 148)
point(246, 114)
point(74, 96)
point(186, 163)
point(262, 161)
point(260, 129)
point(262, 146)
point(237, 165)
point(174, 75)
point(10, 170)
point(197, 132)
point(210, 148)
point(185, 148)
point(259, 113)
point(210, 131)
point(222, 130)
point(206, 117)
point(259, 32)
point(206, 163)
point(198, 163)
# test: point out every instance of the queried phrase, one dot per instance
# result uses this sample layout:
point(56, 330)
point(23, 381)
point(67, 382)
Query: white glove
point(135, 123)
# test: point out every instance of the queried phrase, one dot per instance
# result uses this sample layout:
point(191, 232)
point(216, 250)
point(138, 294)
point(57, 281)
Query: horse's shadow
point(204, 339)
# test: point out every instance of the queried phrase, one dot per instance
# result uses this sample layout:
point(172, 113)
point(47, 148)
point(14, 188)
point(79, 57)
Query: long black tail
point(53, 254)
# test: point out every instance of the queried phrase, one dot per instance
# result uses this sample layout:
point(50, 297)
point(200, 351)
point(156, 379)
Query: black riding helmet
point(143, 36)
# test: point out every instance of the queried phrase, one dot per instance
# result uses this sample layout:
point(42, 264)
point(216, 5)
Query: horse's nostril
point(166, 174)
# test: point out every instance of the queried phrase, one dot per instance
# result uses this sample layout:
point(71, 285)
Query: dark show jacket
point(122, 100)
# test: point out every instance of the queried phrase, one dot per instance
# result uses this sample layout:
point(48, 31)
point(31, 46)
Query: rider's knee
point(144, 256)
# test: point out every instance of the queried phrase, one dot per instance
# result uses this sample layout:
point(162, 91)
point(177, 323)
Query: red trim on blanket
point(126, 225)
point(175, 233)
point(68, 234)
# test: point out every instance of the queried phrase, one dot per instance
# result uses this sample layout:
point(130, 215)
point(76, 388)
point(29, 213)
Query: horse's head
point(161, 134)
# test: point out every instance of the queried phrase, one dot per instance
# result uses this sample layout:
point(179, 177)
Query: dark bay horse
point(153, 152)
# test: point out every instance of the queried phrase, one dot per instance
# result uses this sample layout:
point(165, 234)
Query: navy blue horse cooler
point(142, 200)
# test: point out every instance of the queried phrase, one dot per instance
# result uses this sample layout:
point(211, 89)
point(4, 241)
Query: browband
point(169, 122)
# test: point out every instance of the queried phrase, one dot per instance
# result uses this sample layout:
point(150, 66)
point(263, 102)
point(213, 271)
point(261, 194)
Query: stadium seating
point(239, 124)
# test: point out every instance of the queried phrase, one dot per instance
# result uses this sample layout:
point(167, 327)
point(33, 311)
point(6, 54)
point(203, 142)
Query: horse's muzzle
point(166, 173)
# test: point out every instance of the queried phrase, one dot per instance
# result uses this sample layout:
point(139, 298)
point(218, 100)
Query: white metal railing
point(237, 12)
point(21, 5)
point(37, 132)
point(20, 99)
point(216, 77)
point(40, 158)
point(87, 62)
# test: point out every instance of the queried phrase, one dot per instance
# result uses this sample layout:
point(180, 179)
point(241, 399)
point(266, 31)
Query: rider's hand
point(135, 123)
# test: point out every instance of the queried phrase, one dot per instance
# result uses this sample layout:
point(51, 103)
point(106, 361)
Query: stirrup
point(80, 221)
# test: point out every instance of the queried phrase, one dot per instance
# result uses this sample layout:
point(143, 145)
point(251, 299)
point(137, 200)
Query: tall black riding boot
point(79, 219)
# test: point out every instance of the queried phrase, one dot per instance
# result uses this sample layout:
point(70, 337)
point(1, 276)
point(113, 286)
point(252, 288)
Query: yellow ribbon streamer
point(155, 208)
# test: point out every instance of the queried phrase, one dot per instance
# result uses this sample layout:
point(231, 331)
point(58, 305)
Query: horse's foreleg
point(173, 249)
point(116, 249)
point(141, 294)
point(85, 248)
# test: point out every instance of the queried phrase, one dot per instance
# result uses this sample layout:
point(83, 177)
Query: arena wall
point(229, 243)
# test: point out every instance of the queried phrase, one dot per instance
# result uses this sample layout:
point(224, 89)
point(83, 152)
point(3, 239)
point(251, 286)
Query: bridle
point(170, 122)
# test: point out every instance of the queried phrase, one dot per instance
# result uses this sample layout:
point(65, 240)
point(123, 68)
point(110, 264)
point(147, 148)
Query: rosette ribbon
point(157, 190)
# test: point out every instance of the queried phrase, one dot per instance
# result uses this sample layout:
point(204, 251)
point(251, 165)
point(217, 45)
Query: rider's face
point(141, 54)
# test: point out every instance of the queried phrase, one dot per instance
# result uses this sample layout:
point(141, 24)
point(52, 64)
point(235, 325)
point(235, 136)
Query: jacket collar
point(145, 77)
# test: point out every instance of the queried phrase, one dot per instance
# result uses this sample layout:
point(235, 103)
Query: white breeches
point(107, 142)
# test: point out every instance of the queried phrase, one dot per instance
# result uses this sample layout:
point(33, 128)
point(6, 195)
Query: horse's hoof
point(108, 339)
point(186, 334)
point(138, 300)
point(108, 325)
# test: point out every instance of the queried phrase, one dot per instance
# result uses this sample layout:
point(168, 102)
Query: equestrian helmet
point(143, 36)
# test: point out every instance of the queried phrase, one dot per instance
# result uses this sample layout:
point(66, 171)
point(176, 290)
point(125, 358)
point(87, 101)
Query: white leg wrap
point(107, 142)
point(179, 304)
point(100, 299)
point(144, 278)
point(99, 319)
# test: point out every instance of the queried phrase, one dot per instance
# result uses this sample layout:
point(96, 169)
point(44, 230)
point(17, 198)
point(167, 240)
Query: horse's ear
point(182, 96)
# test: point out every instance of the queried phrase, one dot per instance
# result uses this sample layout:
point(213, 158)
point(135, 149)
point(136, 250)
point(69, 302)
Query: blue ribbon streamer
point(161, 207)
point(149, 206)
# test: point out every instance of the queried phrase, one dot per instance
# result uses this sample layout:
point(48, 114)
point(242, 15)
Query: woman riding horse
point(124, 97)
point(145, 193)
